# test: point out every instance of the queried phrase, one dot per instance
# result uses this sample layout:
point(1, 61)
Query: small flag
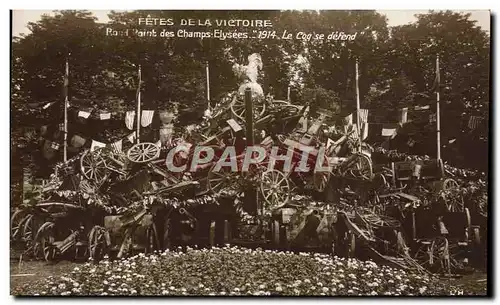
point(96, 145)
point(61, 126)
point(364, 131)
point(411, 142)
point(474, 122)
point(117, 146)
point(131, 137)
point(147, 117)
point(452, 141)
point(363, 115)
point(404, 115)
point(54, 145)
point(432, 117)
point(129, 119)
point(105, 115)
point(77, 141)
point(348, 120)
point(426, 107)
point(388, 132)
point(83, 114)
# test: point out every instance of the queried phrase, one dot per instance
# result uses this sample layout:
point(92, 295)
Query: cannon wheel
point(97, 243)
point(153, 243)
point(440, 249)
point(275, 188)
point(45, 242)
point(456, 204)
point(238, 107)
point(321, 178)
point(93, 166)
point(361, 167)
point(221, 178)
point(16, 223)
point(143, 152)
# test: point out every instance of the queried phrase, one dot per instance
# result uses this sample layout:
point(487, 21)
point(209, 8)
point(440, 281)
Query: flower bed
point(238, 271)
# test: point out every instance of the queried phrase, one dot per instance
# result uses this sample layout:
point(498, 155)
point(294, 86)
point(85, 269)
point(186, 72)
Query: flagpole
point(208, 84)
point(288, 94)
point(357, 104)
point(138, 114)
point(438, 119)
point(66, 83)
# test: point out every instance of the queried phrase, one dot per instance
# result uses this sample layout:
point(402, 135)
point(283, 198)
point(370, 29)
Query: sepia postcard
point(249, 153)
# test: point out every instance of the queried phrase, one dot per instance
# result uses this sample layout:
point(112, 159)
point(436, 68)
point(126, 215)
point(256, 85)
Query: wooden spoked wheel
point(360, 167)
point(435, 256)
point(453, 203)
point(275, 189)
point(44, 242)
point(97, 243)
point(93, 166)
point(449, 184)
point(143, 152)
point(16, 222)
point(238, 107)
point(321, 178)
point(221, 178)
point(153, 243)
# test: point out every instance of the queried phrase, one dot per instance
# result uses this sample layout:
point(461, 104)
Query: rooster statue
point(248, 75)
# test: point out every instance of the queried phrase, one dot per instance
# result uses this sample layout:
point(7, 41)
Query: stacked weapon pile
point(410, 212)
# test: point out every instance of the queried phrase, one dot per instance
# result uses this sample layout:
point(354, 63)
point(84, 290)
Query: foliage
point(238, 271)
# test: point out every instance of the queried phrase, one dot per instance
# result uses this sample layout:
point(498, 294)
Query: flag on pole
point(474, 121)
point(129, 119)
point(84, 114)
point(432, 117)
point(147, 117)
point(389, 132)
point(105, 115)
point(363, 115)
point(364, 131)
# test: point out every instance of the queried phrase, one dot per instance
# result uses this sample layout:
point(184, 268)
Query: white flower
point(307, 281)
point(341, 286)
point(373, 293)
point(421, 290)
point(61, 286)
point(325, 289)
point(262, 286)
point(105, 282)
point(164, 292)
point(133, 291)
point(350, 291)
point(75, 284)
point(279, 289)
